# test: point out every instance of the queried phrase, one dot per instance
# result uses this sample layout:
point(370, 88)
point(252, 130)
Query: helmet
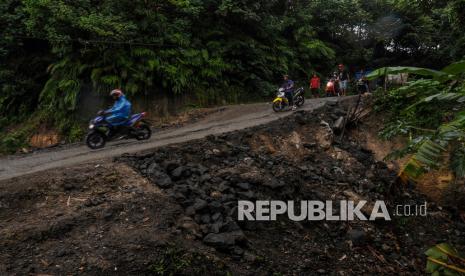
point(116, 92)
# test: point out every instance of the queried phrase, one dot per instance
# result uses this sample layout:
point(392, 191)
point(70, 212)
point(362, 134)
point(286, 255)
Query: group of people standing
point(338, 83)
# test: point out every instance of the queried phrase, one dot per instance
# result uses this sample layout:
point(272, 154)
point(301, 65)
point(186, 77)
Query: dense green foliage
point(217, 50)
point(430, 109)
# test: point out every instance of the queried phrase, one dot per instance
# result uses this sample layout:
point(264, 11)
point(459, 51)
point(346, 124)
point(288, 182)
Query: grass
point(176, 261)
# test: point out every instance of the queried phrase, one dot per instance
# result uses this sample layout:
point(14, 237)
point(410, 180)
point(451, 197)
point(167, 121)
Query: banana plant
point(444, 94)
point(443, 259)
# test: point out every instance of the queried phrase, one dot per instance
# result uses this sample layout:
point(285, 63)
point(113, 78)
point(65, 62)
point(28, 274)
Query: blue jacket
point(288, 86)
point(121, 108)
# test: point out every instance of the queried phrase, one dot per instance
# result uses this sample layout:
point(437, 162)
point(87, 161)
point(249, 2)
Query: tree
point(217, 50)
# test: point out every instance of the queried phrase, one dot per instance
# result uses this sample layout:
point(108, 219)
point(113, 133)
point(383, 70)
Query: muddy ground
point(173, 210)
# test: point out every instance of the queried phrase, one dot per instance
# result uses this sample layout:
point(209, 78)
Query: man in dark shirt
point(362, 83)
point(288, 86)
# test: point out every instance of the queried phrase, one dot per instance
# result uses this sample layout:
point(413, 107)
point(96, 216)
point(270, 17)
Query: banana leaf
point(455, 68)
point(401, 69)
point(443, 259)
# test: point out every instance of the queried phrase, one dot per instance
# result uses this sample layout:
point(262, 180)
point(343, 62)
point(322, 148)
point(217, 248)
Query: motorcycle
point(101, 131)
point(280, 103)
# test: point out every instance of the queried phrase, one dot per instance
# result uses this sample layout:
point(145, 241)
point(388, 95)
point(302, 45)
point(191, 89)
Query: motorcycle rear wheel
point(95, 140)
point(299, 101)
point(143, 132)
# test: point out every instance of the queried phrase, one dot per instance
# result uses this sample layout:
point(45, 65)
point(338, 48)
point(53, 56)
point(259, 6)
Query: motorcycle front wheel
point(95, 140)
point(278, 106)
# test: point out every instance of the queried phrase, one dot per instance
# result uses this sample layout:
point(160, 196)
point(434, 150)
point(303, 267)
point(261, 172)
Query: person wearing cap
point(121, 109)
point(343, 78)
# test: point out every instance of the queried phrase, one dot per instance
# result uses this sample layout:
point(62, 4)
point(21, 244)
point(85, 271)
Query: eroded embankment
point(174, 210)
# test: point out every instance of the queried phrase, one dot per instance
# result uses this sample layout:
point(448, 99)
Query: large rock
point(224, 240)
point(202, 169)
point(215, 206)
point(205, 218)
point(273, 183)
point(243, 185)
point(205, 177)
point(216, 216)
point(152, 168)
point(230, 226)
point(158, 176)
point(162, 180)
point(199, 204)
point(180, 172)
point(339, 112)
point(189, 225)
point(245, 195)
point(338, 124)
point(215, 227)
point(44, 140)
point(171, 166)
point(357, 236)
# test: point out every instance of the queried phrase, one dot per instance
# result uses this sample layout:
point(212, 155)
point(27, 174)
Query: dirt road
point(229, 119)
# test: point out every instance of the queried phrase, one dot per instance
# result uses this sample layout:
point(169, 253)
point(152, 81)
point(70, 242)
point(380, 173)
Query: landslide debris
point(294, 158)
point(173, 210)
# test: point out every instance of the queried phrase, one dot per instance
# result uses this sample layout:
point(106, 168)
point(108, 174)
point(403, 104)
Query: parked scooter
point(281, 103)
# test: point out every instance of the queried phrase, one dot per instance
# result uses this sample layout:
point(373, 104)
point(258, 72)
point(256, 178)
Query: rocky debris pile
point(294, 158)
point(209, 176)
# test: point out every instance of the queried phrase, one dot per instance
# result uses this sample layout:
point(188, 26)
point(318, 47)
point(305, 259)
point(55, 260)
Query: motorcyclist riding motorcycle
point(120, 111)
point(288, 86)
point(117, 122)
